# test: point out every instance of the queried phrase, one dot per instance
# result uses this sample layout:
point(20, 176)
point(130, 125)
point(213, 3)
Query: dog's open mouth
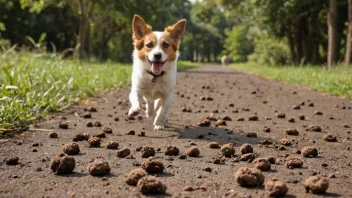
point(156, 66)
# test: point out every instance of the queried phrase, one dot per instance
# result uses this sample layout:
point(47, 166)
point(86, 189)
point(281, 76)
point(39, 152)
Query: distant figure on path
point(225, 60)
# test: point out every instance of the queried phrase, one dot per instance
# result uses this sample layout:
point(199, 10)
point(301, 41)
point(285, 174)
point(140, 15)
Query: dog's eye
point(149, 45)
point(165, 45)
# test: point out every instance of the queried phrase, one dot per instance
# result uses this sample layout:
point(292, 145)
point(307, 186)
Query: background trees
point(266, 31)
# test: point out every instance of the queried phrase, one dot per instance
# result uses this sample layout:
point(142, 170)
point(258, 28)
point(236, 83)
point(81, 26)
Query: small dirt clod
point(315, 128)
point(262, 164)
point(153, 165)
point(316, 184)
point(12, 161)
point(134, 176)
point(98, 168)
point(151, 185)
point(296, 107)
point(281, 115)
point(81, 137)
point(100, 135)
point(220, 122)
point(292, 119)
point(97, 124)
point(252, 134)
point(92, 109)
point(122, 153)
point(246, 148)
point(276, 188)
point(63, 125)
point(249, 177)
point(301, 116)
point(271, 159)
point(62, 164)
point(253, 118)
point(71, 148)
point(228, 150)
point(329, 138)
point(188, 188)
point(53, 135)
point(94, 142)
point(309, 151)
point(240, 119)
point(204, 123)
point(318, 112)
point(147, 151)
point(87, 115)
point(285, 142)
point(107, 130)
point(291, 131)
point(248, 157)
point(89, 124)
point(131, 132)
point(172, 151)
point(213, 145)
point(193, 151)
point(294, 163)
point(112, 145)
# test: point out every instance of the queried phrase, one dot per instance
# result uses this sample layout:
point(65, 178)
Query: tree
point(208, 23)
point(332, 32)
point(238, 43)
point(299, 23)
point(348, 53)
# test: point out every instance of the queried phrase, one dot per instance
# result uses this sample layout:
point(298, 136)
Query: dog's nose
point(157, 56)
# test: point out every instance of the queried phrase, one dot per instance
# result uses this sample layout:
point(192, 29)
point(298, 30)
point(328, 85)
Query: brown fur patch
point(171, 51)
point(144, 50)
point(176, 31)
point(140, 28)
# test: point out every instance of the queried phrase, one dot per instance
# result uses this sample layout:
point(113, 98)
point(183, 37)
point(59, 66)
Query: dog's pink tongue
point(156, 67)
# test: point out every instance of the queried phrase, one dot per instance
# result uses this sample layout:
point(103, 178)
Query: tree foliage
point(241, 28)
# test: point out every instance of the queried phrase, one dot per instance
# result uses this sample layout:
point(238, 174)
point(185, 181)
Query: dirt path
point(234, 94)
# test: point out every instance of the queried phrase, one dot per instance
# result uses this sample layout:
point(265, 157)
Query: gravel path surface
point(239, 109)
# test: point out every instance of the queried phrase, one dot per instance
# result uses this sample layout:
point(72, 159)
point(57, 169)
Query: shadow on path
point(212, 69)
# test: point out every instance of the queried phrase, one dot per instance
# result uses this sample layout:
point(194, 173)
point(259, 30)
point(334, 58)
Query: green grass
point(337, 81)
point(33, 85)
point(185, 65)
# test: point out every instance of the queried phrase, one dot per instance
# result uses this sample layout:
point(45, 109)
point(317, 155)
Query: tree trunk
point(332, 45)
point(82, 30)
point(349, 35)
point(291, 42)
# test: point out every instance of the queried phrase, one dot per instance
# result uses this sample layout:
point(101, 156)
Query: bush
point(270, 51)
point(238, 43)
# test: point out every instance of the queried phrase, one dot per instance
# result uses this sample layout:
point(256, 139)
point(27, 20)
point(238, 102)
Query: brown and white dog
point(225, 60)
point(154, 69)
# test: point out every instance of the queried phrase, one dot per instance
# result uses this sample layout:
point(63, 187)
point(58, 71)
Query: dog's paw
point(149, 115)
point(159, 127)
point(133, 111)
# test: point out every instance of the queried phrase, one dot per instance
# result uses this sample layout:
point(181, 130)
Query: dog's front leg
point(149, 107)
point(135, 104)
point(162, 108)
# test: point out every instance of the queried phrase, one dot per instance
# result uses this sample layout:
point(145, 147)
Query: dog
point(225, 60)
point(154, 69)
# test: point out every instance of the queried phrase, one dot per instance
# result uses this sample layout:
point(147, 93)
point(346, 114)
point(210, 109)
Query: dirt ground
point(200, 92)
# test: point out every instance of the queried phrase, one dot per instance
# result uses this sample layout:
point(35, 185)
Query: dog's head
point(156, 48)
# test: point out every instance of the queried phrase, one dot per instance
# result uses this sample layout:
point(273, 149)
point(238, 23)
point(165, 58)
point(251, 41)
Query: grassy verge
point(185, 65)
point(33, 85)
point(337, 81)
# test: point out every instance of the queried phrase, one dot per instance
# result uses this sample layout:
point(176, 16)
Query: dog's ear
point(139, 27)
point(176, 31)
